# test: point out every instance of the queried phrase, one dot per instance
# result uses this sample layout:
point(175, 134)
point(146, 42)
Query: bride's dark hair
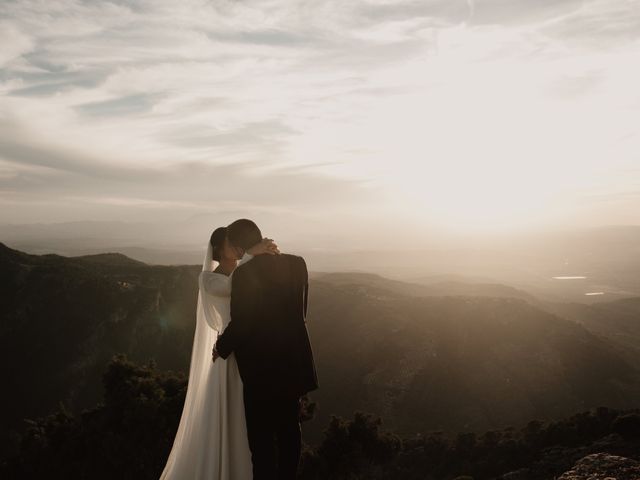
point(217, 241)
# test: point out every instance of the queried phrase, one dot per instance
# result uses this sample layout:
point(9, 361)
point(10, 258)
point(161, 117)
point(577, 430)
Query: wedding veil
point(208, 326)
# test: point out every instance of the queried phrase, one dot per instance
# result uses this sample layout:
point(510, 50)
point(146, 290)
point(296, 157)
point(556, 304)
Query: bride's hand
point(267, 245)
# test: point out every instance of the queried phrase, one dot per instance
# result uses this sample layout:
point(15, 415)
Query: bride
point(211, 442)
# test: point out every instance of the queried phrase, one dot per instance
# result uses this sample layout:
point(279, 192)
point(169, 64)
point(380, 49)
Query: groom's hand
point(214, 354)
point(266, 246)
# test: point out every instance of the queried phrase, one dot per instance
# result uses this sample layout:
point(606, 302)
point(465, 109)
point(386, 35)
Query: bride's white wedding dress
point(211, 442)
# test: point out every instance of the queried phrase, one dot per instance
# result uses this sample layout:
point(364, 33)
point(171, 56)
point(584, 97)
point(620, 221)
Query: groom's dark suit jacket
point(268, 330)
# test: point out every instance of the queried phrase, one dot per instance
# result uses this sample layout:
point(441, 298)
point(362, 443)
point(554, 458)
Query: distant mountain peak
point(5, 248)
point(109, 258)
point(7, 252)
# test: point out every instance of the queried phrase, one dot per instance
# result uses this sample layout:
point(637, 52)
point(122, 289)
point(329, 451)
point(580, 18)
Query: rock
point(603, 466)
point(520, 474)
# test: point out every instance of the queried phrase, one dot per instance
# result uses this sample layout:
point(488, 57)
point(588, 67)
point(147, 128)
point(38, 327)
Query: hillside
point(423, 361)
point(617, 321)
point(61, 320)
point(457, 362)
point(427, 287)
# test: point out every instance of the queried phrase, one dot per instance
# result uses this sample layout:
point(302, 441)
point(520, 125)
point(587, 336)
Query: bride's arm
point(214, 283)
point(245, 291)
point(218, 284)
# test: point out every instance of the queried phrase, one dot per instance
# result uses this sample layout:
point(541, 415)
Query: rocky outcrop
point(555, 460)
point(603, 466)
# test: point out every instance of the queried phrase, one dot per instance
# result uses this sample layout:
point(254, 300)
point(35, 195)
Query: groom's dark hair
point(244, 233)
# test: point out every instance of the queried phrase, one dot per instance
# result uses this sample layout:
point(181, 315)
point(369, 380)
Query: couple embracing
point(251, 363)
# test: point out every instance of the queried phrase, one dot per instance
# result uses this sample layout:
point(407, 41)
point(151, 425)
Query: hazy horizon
point(579, 265)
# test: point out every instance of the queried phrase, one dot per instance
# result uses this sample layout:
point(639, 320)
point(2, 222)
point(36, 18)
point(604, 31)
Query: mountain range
point(442, 356)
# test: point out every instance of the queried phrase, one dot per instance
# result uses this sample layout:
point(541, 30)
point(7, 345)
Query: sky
point(362, 119)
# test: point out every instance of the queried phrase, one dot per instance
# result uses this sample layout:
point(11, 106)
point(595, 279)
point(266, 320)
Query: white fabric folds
point(211, 441)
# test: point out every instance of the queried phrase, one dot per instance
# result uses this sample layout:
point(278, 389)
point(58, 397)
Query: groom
point(269, 336)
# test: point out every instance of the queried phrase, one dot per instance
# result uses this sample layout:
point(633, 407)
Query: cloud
point(14, 43)
point(577, 84)
point(124, 105)
point(435, 10)
point(317, 104)
point(521, 12)
point(269, 136)
point(48, 171)
point(599, 24)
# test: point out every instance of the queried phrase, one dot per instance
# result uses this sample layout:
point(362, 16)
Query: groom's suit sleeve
point(243, 291)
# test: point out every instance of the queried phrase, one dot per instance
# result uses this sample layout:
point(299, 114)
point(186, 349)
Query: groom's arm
point(243, 293)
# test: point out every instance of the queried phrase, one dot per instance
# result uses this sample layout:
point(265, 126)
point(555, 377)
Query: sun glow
point(486, 145)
